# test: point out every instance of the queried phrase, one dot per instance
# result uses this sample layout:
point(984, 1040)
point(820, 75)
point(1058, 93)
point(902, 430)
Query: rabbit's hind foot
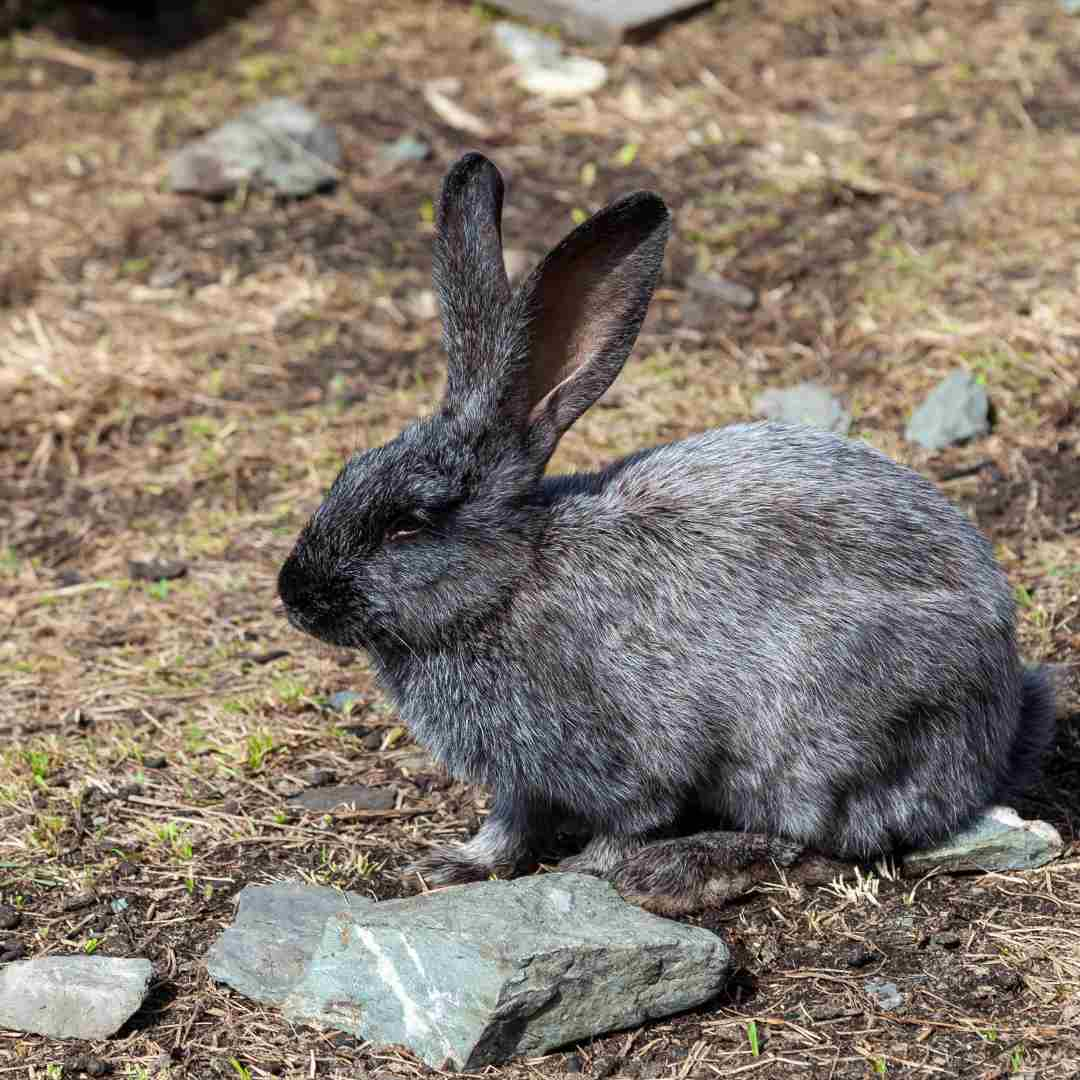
point(689, 873)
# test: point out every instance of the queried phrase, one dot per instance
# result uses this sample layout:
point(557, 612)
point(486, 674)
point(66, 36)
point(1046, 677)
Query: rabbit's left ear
point(469, 272)
point(585, 305)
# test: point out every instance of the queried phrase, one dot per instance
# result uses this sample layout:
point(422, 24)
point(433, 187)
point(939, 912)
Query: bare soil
point(180, 379)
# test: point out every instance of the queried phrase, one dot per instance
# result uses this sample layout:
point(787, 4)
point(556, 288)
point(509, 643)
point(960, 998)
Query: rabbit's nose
point(296, 588)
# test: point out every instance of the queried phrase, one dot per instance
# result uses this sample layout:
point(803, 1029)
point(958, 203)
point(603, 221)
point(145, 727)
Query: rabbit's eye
point(404, 526)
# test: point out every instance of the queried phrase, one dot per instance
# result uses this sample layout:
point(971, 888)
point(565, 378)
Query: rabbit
point(772, 625)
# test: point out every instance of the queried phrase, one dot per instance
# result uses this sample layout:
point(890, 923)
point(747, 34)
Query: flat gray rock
point(404, 150)
point(724, 291)
point(266, 951)
point(278, 144)
point(806, 403)
point(1000, 840)
point(72, 997)
point(481, 973)
point(473, 974)
point(957, 409)
point(322, 800)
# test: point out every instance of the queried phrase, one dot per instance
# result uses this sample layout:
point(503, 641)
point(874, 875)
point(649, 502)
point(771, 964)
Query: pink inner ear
point(571, 327)
point(583, 343)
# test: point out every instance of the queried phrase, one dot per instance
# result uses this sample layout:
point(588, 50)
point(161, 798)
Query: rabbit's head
point(427, 532)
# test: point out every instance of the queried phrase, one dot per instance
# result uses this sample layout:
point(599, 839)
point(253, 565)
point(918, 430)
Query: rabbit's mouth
point(334, 629)
point(316, 606)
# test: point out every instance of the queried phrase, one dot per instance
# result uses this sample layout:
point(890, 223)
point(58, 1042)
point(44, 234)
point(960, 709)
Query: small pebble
point(165, 277)
point(344, 701)
point(372, 740)
point(12, 951)
point(86, 1065)
point(9, 917)
point(156, 570)
point(79, 901)
point(154, 761)
point(568, 77)
point(860, 956)
point(403, 150)
point(947, 939)
point(886, 995)
point(723, 290)
point(321, 777)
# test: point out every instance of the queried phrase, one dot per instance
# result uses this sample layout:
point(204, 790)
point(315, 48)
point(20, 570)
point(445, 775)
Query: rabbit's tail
point(1035, 735)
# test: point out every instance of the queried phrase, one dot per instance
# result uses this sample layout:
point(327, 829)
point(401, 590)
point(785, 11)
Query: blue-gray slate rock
point(806, 403)
point(266, 951)
point(403, 150)
point(1000, 840)
point(956, 409)
point(277, 144)
point(478, 974)
point(343, 701)
point(474, 974)
point(72, 997)
point(886, 995)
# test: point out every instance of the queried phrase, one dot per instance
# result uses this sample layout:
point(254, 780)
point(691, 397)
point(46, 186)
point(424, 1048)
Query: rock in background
point(957, 409)
point(542, 66)
point(806, 403)
point(277, 144)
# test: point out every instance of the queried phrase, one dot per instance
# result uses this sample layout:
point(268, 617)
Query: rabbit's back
point(801, 631)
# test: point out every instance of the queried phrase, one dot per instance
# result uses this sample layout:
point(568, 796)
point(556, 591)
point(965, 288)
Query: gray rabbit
point(768, 625)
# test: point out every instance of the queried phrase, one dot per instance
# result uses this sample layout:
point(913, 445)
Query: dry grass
point(182, 379)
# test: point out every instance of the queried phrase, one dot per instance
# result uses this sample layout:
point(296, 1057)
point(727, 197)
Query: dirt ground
point(180, 379)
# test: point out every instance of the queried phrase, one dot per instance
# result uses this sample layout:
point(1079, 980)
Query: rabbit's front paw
point(444, 865)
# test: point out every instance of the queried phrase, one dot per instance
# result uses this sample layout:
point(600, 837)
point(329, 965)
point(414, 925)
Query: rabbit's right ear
point(469, 272)
point(585, 304)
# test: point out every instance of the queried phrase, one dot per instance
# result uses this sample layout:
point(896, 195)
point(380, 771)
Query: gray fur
point(772, 624)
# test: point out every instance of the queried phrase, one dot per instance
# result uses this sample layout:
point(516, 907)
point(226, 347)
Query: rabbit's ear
point(469, 273)
point(586, 302)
